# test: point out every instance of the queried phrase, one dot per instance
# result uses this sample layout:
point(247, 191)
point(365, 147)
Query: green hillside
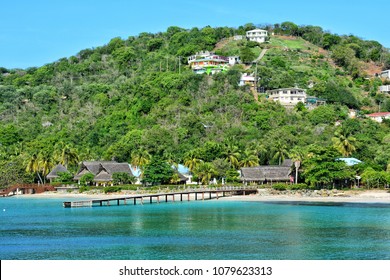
point(136, 98)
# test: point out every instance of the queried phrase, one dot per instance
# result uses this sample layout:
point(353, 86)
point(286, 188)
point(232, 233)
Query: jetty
point(195, 194)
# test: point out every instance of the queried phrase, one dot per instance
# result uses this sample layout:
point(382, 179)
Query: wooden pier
point(197, 194)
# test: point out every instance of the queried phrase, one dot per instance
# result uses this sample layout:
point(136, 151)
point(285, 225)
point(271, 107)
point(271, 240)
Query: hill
point(137, 98)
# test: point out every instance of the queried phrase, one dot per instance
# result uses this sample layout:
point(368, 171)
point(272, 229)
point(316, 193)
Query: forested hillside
point(136, 99)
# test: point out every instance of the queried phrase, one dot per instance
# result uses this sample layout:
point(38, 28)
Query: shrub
point(112, 189)
point(280, 186)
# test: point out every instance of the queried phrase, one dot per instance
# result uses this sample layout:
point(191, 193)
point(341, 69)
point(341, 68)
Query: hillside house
point(287, 97)
point(379, 117)
point(210, 63)
point(385, 74)
point(257, 35)
point(247, 79)
point(313, 101)
point(102, 170)
point(384, 89)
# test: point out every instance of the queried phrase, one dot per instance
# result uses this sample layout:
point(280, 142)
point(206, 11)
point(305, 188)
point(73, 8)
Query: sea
point(36, 228)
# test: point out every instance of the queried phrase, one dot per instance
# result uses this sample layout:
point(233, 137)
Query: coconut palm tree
point(45, 163)
point(344, 142)
point(33, 166)
point(249, 159)
point(205, 171)
point(192, 160)
point(68, 156)
point(279, 152)
point(232, 153)
point(140, 158)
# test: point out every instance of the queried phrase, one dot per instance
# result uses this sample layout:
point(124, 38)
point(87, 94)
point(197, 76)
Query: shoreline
point(264, 195)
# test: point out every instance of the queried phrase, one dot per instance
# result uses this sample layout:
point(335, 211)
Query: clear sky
point(36, 32)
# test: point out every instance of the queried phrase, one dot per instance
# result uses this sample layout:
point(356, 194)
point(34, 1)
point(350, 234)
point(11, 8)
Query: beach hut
point(54, 173)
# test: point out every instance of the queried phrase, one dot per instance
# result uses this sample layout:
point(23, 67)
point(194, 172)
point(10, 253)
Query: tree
point(192, 160)
point(344, 142)
point(68, 156)
point(321, 167)
point(247, 55)
point(205, 171)
point(157, 171)
point(249, 159)
point(123, 178)
point(140, 158)
point(279, 152)
point(87, 179)
point(33, 166)
point(231, 153)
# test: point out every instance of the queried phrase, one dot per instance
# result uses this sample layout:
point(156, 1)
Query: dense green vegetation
point(136, 100)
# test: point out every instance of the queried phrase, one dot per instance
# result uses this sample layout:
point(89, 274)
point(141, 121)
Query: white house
point(385, 74)
point(257, 35)
point(379, 117)
point(385, 89)
point(287, 96)
point(247, 79)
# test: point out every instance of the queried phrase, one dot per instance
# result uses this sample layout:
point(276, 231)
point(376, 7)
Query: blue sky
point(33, 33)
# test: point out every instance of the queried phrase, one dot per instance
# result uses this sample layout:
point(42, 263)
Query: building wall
point(257, 35)
point(288, 96)
point(385, 88)
point(385, 74)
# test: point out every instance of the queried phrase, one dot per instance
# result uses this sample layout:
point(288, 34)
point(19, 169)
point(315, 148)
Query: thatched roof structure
point(102, 170)
point(267, 173)
point(54, 173)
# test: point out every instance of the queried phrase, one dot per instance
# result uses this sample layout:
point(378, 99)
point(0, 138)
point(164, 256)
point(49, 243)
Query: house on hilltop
point(257, 35)
point(102, 171)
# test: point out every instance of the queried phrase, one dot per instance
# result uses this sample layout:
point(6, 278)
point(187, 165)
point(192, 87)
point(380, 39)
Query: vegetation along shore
point(276, 105)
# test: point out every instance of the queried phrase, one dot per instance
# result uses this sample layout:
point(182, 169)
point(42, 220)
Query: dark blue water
point(34, 228)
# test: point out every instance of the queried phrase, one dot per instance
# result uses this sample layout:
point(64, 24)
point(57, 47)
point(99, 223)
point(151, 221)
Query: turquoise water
point(34, 228)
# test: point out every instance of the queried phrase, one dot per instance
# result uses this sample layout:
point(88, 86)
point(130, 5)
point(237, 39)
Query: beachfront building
point(267, 173)
point(385, 74)
point(379, 117)
point(211, 63)
point(54, 173)
point(102, 171)
point(257, 35)
point(288, 97)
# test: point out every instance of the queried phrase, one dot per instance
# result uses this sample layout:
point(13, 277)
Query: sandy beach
point(357, 196)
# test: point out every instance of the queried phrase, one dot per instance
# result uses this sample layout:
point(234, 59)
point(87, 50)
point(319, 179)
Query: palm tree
point(33, 165)
point(205, 171)
point(344, 142)
point(249, 159)
point(68, 156)
point(140, 158)
point(191, 160)
point(232, 155)
point(45, 163)
point(279, 152)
